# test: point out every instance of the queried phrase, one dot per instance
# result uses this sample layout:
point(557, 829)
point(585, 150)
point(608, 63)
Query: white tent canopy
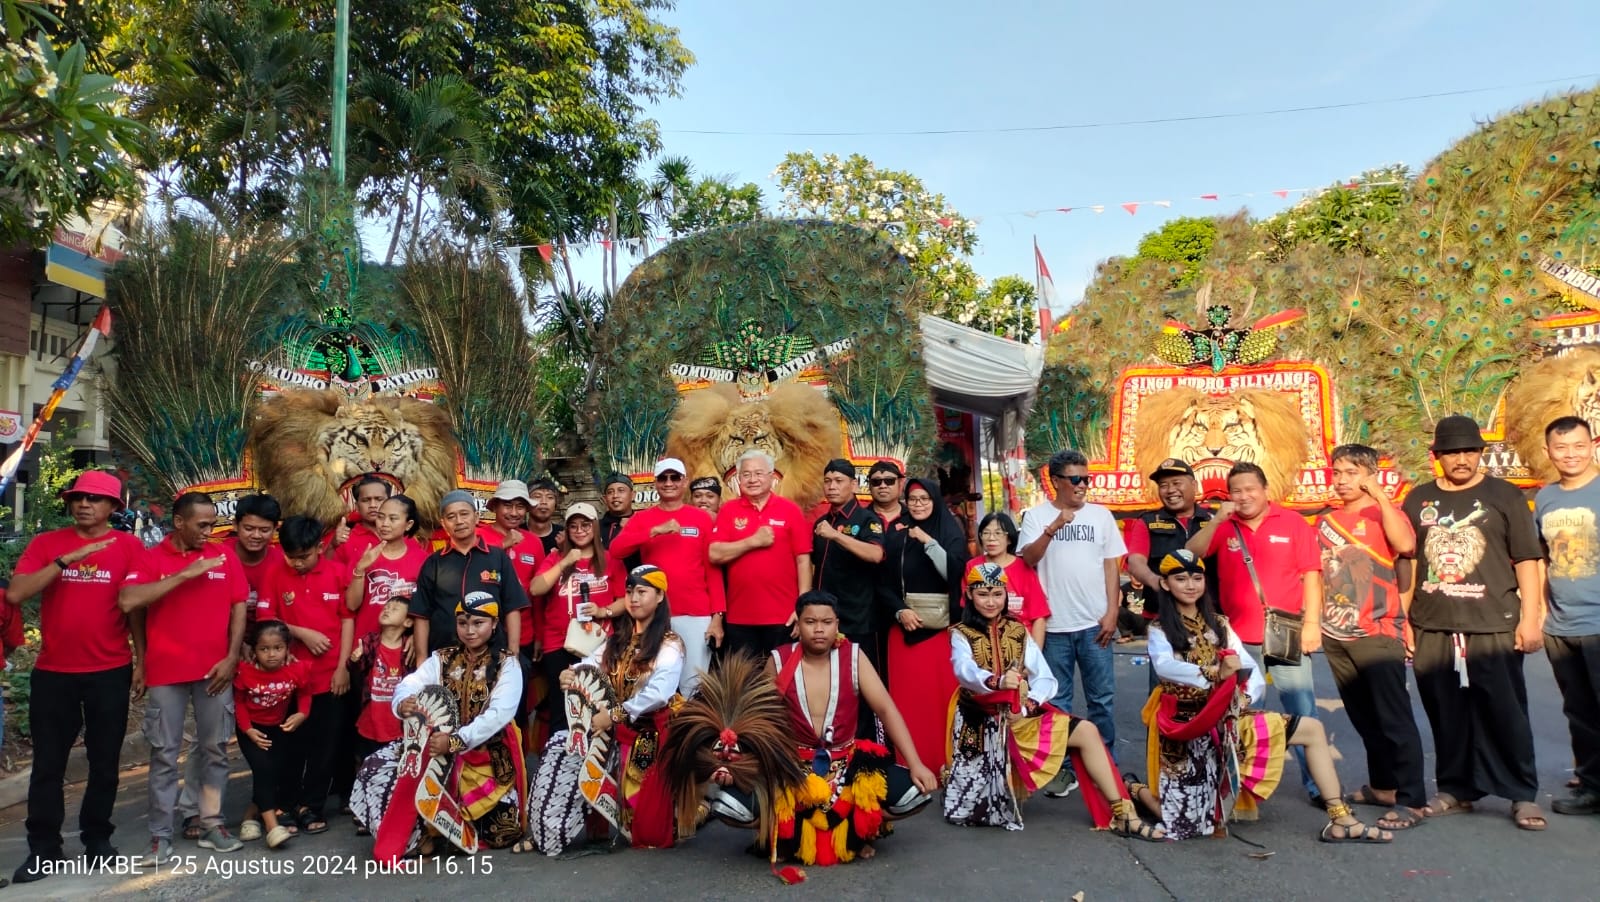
point(980, 373)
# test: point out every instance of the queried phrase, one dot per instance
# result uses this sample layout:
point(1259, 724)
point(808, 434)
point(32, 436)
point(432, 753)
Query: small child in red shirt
point(262, 689)
point(378, 663)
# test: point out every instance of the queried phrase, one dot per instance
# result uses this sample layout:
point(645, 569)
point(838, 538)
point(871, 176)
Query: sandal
point(1400, 818)
point(1366, 795)
point(1528, 820)
point(1123, 819)
point(310, 823)
point(524, 846)
point(192, 828)
point(1444, 804)
point(1352, 832)
point(1134, 787)
point(287, 822)
point(250, 830)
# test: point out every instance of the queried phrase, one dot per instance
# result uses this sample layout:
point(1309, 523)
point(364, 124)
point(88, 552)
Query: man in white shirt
point(1076, 547)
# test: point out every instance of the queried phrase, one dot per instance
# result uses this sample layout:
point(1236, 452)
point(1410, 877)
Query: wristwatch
point(62, 564)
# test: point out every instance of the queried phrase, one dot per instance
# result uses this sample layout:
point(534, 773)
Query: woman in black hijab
point(921, 678)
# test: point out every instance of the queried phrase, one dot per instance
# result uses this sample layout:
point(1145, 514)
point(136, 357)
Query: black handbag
point(1280, 635)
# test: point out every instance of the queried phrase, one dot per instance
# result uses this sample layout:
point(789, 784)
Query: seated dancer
point(619, 700)
point(466, 783)
point(1216, 757)
point(1008, 741)
point(854, 786)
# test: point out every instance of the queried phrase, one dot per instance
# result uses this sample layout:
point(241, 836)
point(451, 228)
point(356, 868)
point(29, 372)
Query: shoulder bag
point(1280, 635)
point(583, 636)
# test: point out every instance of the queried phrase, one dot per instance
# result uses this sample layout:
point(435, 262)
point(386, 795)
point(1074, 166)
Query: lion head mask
point(795, 424)
point(1262, 427)
point(305, 444)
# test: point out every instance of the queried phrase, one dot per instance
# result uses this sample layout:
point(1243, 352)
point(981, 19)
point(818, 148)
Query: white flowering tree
point(922, 225)
point(64, 143)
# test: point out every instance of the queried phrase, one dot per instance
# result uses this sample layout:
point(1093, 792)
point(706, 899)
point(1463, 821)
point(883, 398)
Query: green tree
point(65, 144)
point(1007, 306)
point(932, 236)
point(244, 108)
point(1183, 244)
point(1350, 216)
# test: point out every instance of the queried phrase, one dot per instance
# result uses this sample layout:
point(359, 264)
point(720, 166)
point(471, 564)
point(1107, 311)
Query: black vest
point(1166, 536)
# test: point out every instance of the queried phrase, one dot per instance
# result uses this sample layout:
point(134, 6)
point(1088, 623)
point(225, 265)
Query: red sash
point(1204, 721)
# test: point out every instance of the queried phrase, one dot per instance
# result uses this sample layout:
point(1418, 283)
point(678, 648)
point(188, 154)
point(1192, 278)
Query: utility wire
point(1075, 126)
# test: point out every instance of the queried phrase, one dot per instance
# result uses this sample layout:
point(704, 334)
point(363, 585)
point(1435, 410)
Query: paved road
point(1477, 856)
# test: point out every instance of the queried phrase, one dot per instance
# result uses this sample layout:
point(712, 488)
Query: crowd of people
point(410, 677)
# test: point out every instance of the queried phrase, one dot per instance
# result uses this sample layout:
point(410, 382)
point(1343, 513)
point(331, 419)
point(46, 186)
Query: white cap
point(670, 465)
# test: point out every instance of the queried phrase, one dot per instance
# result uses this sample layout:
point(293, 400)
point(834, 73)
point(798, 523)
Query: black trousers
point(61, 705)
point(1575, 660)
point(268, 766)
point(308, 770)
point(1482, 741)
point(347, 710)
point(756, 641)
point(554, 661)
point(1371, 675)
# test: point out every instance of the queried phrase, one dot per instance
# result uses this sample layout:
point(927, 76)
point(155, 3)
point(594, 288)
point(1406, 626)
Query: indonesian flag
point(1047, 291)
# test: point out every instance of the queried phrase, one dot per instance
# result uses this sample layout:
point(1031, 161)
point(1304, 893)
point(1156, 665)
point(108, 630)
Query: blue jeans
point(1067, 652)
point(1296, 695)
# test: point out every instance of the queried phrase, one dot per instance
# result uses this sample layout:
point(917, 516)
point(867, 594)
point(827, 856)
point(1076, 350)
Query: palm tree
point(431, 139)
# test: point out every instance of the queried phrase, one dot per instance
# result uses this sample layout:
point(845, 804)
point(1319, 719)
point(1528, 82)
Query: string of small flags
point(548, 250)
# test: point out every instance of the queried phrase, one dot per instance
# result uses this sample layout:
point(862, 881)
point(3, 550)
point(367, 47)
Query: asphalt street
point(1473, 856)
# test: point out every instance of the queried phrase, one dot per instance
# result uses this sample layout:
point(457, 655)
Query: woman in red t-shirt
point(262, 689)
point(1025, 599)
point(388, 569)
point(558, 585)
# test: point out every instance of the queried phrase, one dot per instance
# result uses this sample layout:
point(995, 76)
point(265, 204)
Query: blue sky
point(891, 65)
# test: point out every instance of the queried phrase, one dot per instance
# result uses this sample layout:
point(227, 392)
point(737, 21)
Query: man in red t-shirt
point(1282, 547)
point(676, 537)
point(765, 542)
point(1364, 631)
point(85, 668)
point(192, 594)
point(255, 525)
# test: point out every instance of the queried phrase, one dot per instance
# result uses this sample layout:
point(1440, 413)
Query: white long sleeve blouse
point(503, 698)
point(1042, 685)
point(1174, 669)
point(659, 687)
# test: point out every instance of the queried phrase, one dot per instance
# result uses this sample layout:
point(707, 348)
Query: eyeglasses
point(670, 477)
point(1075, 480)
point(883, 481)
point(919, 499)
point(92, 499)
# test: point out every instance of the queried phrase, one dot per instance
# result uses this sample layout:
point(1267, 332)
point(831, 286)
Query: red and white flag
point(1047, 291)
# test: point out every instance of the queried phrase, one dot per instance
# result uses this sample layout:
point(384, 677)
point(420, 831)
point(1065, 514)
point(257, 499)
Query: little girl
point(262, 689)
point(378, 663)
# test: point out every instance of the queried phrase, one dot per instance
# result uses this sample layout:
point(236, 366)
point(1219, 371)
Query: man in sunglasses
point(85, 669)
point(883, 484)
point(1076, 548)
point(676, 537)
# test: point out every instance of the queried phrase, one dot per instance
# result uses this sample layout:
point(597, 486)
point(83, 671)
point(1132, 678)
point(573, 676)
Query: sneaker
point(160, 851)
point(35, 867)
point(1580, 802)
point(218, 839)
point(1060, 789)
point(250, 830)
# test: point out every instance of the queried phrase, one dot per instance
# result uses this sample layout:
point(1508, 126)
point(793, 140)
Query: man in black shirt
point(616, 493)
point(846, 547)
point(1475, 614)
point(884, 481)
point(467, 564)
point(544, 496)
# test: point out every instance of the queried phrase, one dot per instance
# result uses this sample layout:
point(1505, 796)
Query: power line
point(1075, 126)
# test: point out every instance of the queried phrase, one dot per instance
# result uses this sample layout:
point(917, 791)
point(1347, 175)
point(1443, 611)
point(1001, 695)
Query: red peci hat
point(96, 482)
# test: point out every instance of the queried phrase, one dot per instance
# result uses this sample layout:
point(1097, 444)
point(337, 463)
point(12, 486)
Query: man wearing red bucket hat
point(85, 669)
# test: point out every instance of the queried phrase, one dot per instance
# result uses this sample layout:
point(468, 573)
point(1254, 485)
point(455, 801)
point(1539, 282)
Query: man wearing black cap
point(467, 564)
point(1476, 612)
point(846, 547)
point(1158, 533)
point(544, 496)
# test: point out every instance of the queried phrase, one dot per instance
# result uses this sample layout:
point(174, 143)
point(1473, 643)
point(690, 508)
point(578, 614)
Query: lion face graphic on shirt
point(1454, 548)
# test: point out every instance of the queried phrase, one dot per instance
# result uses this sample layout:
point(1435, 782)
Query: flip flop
point(1444, 804)
point(1365, 796)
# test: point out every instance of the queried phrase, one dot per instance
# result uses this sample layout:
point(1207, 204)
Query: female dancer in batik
point(1213, 754)
point(467, 784)
point(1006, 741)
point(603, 768)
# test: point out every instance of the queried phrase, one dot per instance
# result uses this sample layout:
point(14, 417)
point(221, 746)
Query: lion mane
point(305, 444)
point(796, 424)
point(1262, 427)
point(1557, 386)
